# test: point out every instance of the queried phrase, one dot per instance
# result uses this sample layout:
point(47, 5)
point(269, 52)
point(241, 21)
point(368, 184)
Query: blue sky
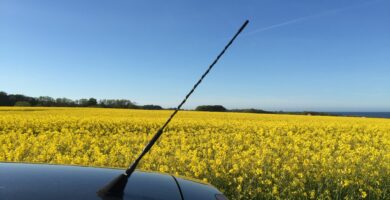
point(325, 55)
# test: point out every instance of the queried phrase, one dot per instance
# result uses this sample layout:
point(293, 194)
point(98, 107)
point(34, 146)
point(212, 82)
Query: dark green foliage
point(22, 104)
point(212, 108)
point(92, 102)
point(117, 103)
point(4, 99)
point(13, 98)
point(46, 101)
point(63, 102)
point(82, 102)
point(151, 107)
point(250, 110)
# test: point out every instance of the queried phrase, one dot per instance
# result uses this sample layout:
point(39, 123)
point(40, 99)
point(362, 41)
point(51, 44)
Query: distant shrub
point(22, 104)
point(250, 110)
point(212, 108)
point(151, 107)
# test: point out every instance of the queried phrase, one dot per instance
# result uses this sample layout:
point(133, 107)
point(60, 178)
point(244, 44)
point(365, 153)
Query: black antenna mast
point(116, 187)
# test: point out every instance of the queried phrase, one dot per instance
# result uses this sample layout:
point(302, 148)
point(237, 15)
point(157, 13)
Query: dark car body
point(40, 181)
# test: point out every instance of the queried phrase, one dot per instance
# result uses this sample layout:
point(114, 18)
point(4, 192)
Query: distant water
point(364, 114)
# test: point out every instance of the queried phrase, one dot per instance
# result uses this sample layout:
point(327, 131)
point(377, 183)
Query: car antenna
point(116, 187)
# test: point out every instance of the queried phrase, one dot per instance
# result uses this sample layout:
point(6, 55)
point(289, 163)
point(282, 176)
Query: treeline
point(46, 101)
point(220, 108)
point(251, 110)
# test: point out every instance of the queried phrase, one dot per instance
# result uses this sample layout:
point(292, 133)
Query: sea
point(364, 114)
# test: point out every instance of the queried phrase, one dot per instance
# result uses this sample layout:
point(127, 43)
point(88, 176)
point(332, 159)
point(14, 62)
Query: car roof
point(45, 181)
point(40, 181)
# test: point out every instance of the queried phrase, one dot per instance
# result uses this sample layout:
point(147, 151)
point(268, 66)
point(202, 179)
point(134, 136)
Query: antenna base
point(115, 188)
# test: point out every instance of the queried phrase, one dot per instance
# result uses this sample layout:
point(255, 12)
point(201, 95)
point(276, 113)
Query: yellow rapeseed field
point(247, 156)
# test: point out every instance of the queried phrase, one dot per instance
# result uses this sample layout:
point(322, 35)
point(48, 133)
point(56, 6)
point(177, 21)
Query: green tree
point(92, 102)
point(212, 108)
point(22, 104)
point(4, 99)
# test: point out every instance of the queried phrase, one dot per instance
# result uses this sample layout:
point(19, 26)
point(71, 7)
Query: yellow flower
point(312, 194)
point(248, 156)
point(275, 190)
point(363, 193)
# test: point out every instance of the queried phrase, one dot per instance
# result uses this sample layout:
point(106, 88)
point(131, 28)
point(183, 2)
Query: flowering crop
point(247, 156)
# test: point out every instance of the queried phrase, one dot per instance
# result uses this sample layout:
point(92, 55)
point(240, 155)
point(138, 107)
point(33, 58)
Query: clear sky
point(323, 55)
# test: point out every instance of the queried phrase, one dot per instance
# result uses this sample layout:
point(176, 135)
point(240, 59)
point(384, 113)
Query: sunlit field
point(246, 156)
